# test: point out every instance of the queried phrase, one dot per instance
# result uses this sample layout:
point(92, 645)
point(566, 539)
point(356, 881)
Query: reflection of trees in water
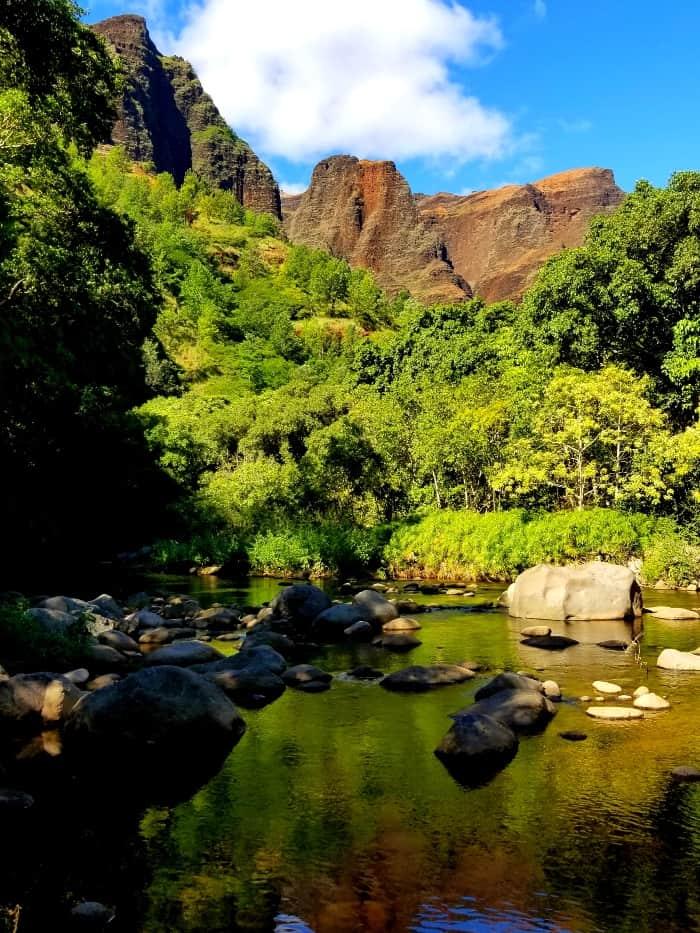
point(636, 871)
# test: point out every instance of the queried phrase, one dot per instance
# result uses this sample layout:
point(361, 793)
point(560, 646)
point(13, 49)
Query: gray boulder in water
point(596, 591)
point(375, 608)
point(300, 604)
point(183, 654)
point(162, 710)
point(418, 679)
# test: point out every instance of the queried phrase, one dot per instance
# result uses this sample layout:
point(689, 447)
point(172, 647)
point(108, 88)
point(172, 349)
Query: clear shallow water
point(333, 815)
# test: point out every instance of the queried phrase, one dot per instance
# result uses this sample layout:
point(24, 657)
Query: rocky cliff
point(365, 212)
point(497, 240)
point(167, 118)
point(446, 247)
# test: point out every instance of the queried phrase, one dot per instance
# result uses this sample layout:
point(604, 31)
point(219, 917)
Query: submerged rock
point(673, 613)
point(418, 679)
point(573, 736)
point(507, 681)
point(685, 773)
point(302, 675)
point(613, 645)
point(365, 673)
point(398, 642)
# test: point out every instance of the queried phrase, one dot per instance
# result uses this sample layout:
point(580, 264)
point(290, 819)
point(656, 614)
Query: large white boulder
point(672, 660)
point(595, 591)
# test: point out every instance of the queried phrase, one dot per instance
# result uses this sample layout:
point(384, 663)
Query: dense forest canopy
point(162, 347)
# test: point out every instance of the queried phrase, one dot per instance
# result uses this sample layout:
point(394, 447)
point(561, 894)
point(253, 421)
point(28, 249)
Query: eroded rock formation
point(445, 246)
point(168, 119)
point(365, 212)
point(497, 240)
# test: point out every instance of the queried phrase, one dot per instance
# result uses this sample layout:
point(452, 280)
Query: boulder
point(376, 608)
point(398, 642)
point(53, 621)
point(686, 774)
point(673, 613)
point(67, 604)
point(217, 619)
point(118, 640)
point(304, 674)
point(156, 636)
point(507, 681)
point(594, 591)
point(640, 692)
point(651, 701)
point(181, 607)
point(141, 619)
point(249, 687)
point(614, 713)
point(300, 604)
point(155, 717)
point(96, 624)
point(307, 678)
point(107, 606)
point(401, 624)
point(183, 654)
point(79, 677)
point(359, 631)
point(418, 679)
point(672, 660)
point(105, 658)
point(28, 699)
point(91, 917)
point(408, 607)
point(260, 657)
point(549, 642)
point(261, 635)
point(476, 748)
point(520, 710)
point(332, 623)
point(506, 597)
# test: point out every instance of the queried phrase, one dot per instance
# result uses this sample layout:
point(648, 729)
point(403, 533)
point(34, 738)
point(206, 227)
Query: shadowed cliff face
point(365, 212)
point(497, 240)
point(446, 247)
point(167, 118)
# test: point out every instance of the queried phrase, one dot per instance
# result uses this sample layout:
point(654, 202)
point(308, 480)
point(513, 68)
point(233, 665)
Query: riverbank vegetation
point(235, 399)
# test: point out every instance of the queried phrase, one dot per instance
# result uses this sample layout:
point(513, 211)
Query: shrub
point(317, 550)
point(199, 550)
point(27, 645)
point(670, 556)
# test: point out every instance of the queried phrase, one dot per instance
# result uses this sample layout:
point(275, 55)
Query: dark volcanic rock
point(476, 748)
point(166, 118)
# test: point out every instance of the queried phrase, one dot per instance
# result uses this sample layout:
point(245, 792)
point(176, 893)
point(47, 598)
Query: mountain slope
point(364, 212)
point(168, 119)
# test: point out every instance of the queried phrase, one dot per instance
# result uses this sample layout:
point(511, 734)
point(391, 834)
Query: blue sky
point(462, 96)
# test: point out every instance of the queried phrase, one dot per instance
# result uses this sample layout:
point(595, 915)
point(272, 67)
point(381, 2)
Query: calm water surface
point(333, 815)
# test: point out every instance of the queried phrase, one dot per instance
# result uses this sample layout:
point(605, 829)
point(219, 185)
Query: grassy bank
point(451, 545)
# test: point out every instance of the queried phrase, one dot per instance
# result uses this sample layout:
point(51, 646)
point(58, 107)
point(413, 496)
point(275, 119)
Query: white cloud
point(540, 8)
point(372, 77)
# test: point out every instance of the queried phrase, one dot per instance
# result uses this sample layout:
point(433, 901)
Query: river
point(333, 815)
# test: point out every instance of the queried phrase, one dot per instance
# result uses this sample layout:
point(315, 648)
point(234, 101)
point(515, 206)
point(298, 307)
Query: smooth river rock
point(673, 613)
point(375, 607)
point(524, 711)
point(476, 748)
point(417, 679)
point(672, 660)
point(603, 686)
point(401, 624)
point(550, 642)
point(651, 701)
point(593, 591)
point(614, 712)
point(183, 654)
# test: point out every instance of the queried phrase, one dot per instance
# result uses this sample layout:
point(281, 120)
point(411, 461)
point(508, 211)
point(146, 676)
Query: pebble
point(640, 692)
point(651, 701)
point(585, 699)
point(573, 736)
point(602, 686)
point(614, 712)
point(552, 689)
point(536, 631)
